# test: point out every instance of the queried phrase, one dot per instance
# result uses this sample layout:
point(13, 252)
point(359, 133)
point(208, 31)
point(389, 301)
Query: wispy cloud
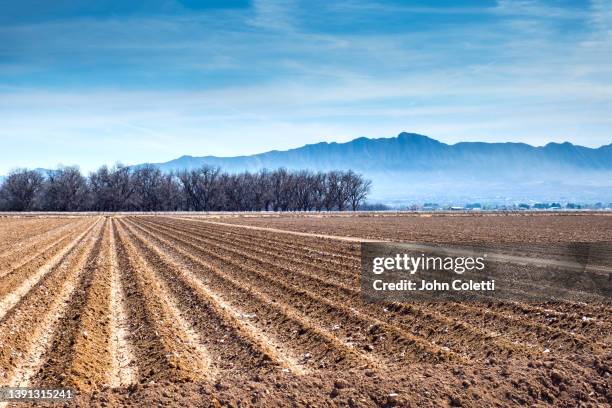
point(282, 73)
point(539, 9)
point(273, 15)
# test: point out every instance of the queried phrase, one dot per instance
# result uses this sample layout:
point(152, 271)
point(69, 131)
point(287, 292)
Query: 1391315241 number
point(21, 393)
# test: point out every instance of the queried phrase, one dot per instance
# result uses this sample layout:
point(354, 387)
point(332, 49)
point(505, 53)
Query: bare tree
point(147, 188)
point(20, 190)
point(318, 191)
point(148, 184)
point(112, 189)
point(171, 194)
point(358, 189)
point(336, 191)
point(278, 189)
point(101, 189)
point(200, 187)
point(65, 190)
point(261, 186)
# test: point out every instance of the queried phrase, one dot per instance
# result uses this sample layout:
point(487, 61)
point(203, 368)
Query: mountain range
point(412, 152)
point(416, 168)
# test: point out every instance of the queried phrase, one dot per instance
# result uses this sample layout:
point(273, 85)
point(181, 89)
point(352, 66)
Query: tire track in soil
point(124, 367)
point(440, 331)
point(517, 327)
point(17, 285)
point(235, 342)
point(27, 329)
point(380, 338)
point(323, 349)
point(164, 344)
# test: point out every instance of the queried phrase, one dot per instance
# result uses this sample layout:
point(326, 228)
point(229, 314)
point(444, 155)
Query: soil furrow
point(321, 347)
point(236, 343)
point(27, 329)
point(124, 366)
point(369, 333)
point(518, 288)
point(349, 250)
point(24, 234)
point(577, 320)
point(442, 331)
point(533, 227)
point(563, 307)
point(345, 276)
point(343, 270)
point(239, 310)
point(18, 228)
point(22, 283)
point(37, 252)
point(338, 251)
point(79, 355)
point(165, 346)
point(526, 328)
point(516, 328)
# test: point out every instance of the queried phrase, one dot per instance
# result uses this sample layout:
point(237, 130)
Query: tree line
point(146, 188)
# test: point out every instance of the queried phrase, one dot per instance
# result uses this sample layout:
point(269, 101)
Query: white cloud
point(247, 81)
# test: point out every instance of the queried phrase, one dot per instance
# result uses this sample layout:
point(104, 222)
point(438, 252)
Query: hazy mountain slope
point(413, 167)
point(413, 152)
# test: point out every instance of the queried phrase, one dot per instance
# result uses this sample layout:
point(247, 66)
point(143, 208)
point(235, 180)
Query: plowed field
point(195, 311)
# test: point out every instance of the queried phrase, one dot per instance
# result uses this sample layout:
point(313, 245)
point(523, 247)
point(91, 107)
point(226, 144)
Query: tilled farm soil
point(190, 311)
point(535, 227)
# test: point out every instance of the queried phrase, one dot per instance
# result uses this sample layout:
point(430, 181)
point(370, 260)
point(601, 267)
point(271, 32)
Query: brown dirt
point(175, 311)
point(432, 227)
point(15, 233)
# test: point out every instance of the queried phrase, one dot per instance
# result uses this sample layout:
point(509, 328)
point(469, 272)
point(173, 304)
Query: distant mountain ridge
point(411, 152)
point(413, 168)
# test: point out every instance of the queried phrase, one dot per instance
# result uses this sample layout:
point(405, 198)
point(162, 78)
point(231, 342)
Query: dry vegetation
point(149, 310)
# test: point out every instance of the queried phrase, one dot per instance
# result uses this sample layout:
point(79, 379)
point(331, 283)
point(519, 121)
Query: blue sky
point(90, 83)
